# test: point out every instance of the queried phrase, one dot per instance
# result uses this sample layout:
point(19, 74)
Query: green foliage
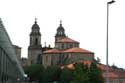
point(51, 74)
point(35, 72)
point(95, 74)
point(80, 73)
point(66, 75)
point(84, 74)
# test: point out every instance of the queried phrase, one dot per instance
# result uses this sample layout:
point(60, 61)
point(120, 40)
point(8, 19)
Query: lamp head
point(111, 2)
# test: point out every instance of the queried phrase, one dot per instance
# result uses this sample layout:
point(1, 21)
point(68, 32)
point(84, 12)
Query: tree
point(51, 74)
point(95, 74)
point(87, 74)
point(66, 75)
point(80, 73)
point(34, 72)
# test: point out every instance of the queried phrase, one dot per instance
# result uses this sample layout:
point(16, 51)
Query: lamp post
point(107, 32)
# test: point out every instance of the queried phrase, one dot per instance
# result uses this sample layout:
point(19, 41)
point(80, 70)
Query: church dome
point(35, 29)
point(35, 25)
point(60, 28)
point(60, 31)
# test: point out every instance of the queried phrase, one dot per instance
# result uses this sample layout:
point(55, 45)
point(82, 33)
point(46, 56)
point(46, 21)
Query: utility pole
point(107, 48)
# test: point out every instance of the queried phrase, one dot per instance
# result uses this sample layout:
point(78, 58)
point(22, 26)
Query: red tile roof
point(71, 66)
point(67, 40)
point(110, 75)
point(103, 67)
point(52, 51)
point(76, 49)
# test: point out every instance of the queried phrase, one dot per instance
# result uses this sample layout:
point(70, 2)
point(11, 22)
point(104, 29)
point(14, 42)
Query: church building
point(66, 50)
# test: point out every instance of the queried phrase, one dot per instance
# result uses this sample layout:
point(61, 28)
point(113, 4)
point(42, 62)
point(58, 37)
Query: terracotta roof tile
point(76, 49)
point(52, 51)
point(110, 75)
point(67, 40)
point(103, 67)
point(71, 66)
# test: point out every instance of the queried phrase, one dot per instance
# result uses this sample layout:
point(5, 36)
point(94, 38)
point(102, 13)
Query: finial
point(35, 20)
point(49, 46)
point(45, 44)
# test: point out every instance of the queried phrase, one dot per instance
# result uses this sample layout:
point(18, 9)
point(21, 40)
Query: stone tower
point(60, 34)
point(35, 48)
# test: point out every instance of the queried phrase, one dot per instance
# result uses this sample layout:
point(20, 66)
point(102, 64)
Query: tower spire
point(35, 20)
point(60, 22)
point(45, 44)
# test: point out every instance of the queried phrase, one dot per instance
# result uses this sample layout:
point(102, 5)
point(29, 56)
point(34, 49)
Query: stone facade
point(65, 49)
point(24, 62)
point(17, 51)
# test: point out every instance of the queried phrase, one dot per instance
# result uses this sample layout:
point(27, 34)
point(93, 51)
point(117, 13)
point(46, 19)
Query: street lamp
point(107, 70)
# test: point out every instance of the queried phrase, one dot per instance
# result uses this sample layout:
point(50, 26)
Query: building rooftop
point(77, 49)
point(113, 73)
point(66, 39)
point(52, 51)
point(70, 50)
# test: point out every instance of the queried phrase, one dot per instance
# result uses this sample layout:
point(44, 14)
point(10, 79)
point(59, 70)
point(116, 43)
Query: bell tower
point(60, 32)
point(35, 35)
point(35, 48)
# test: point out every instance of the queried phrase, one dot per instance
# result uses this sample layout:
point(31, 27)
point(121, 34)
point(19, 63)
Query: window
point(36, 41)
point(62, 46)
point(71, 45)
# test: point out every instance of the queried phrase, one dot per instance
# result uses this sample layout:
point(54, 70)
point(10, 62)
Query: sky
point(83, 20)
